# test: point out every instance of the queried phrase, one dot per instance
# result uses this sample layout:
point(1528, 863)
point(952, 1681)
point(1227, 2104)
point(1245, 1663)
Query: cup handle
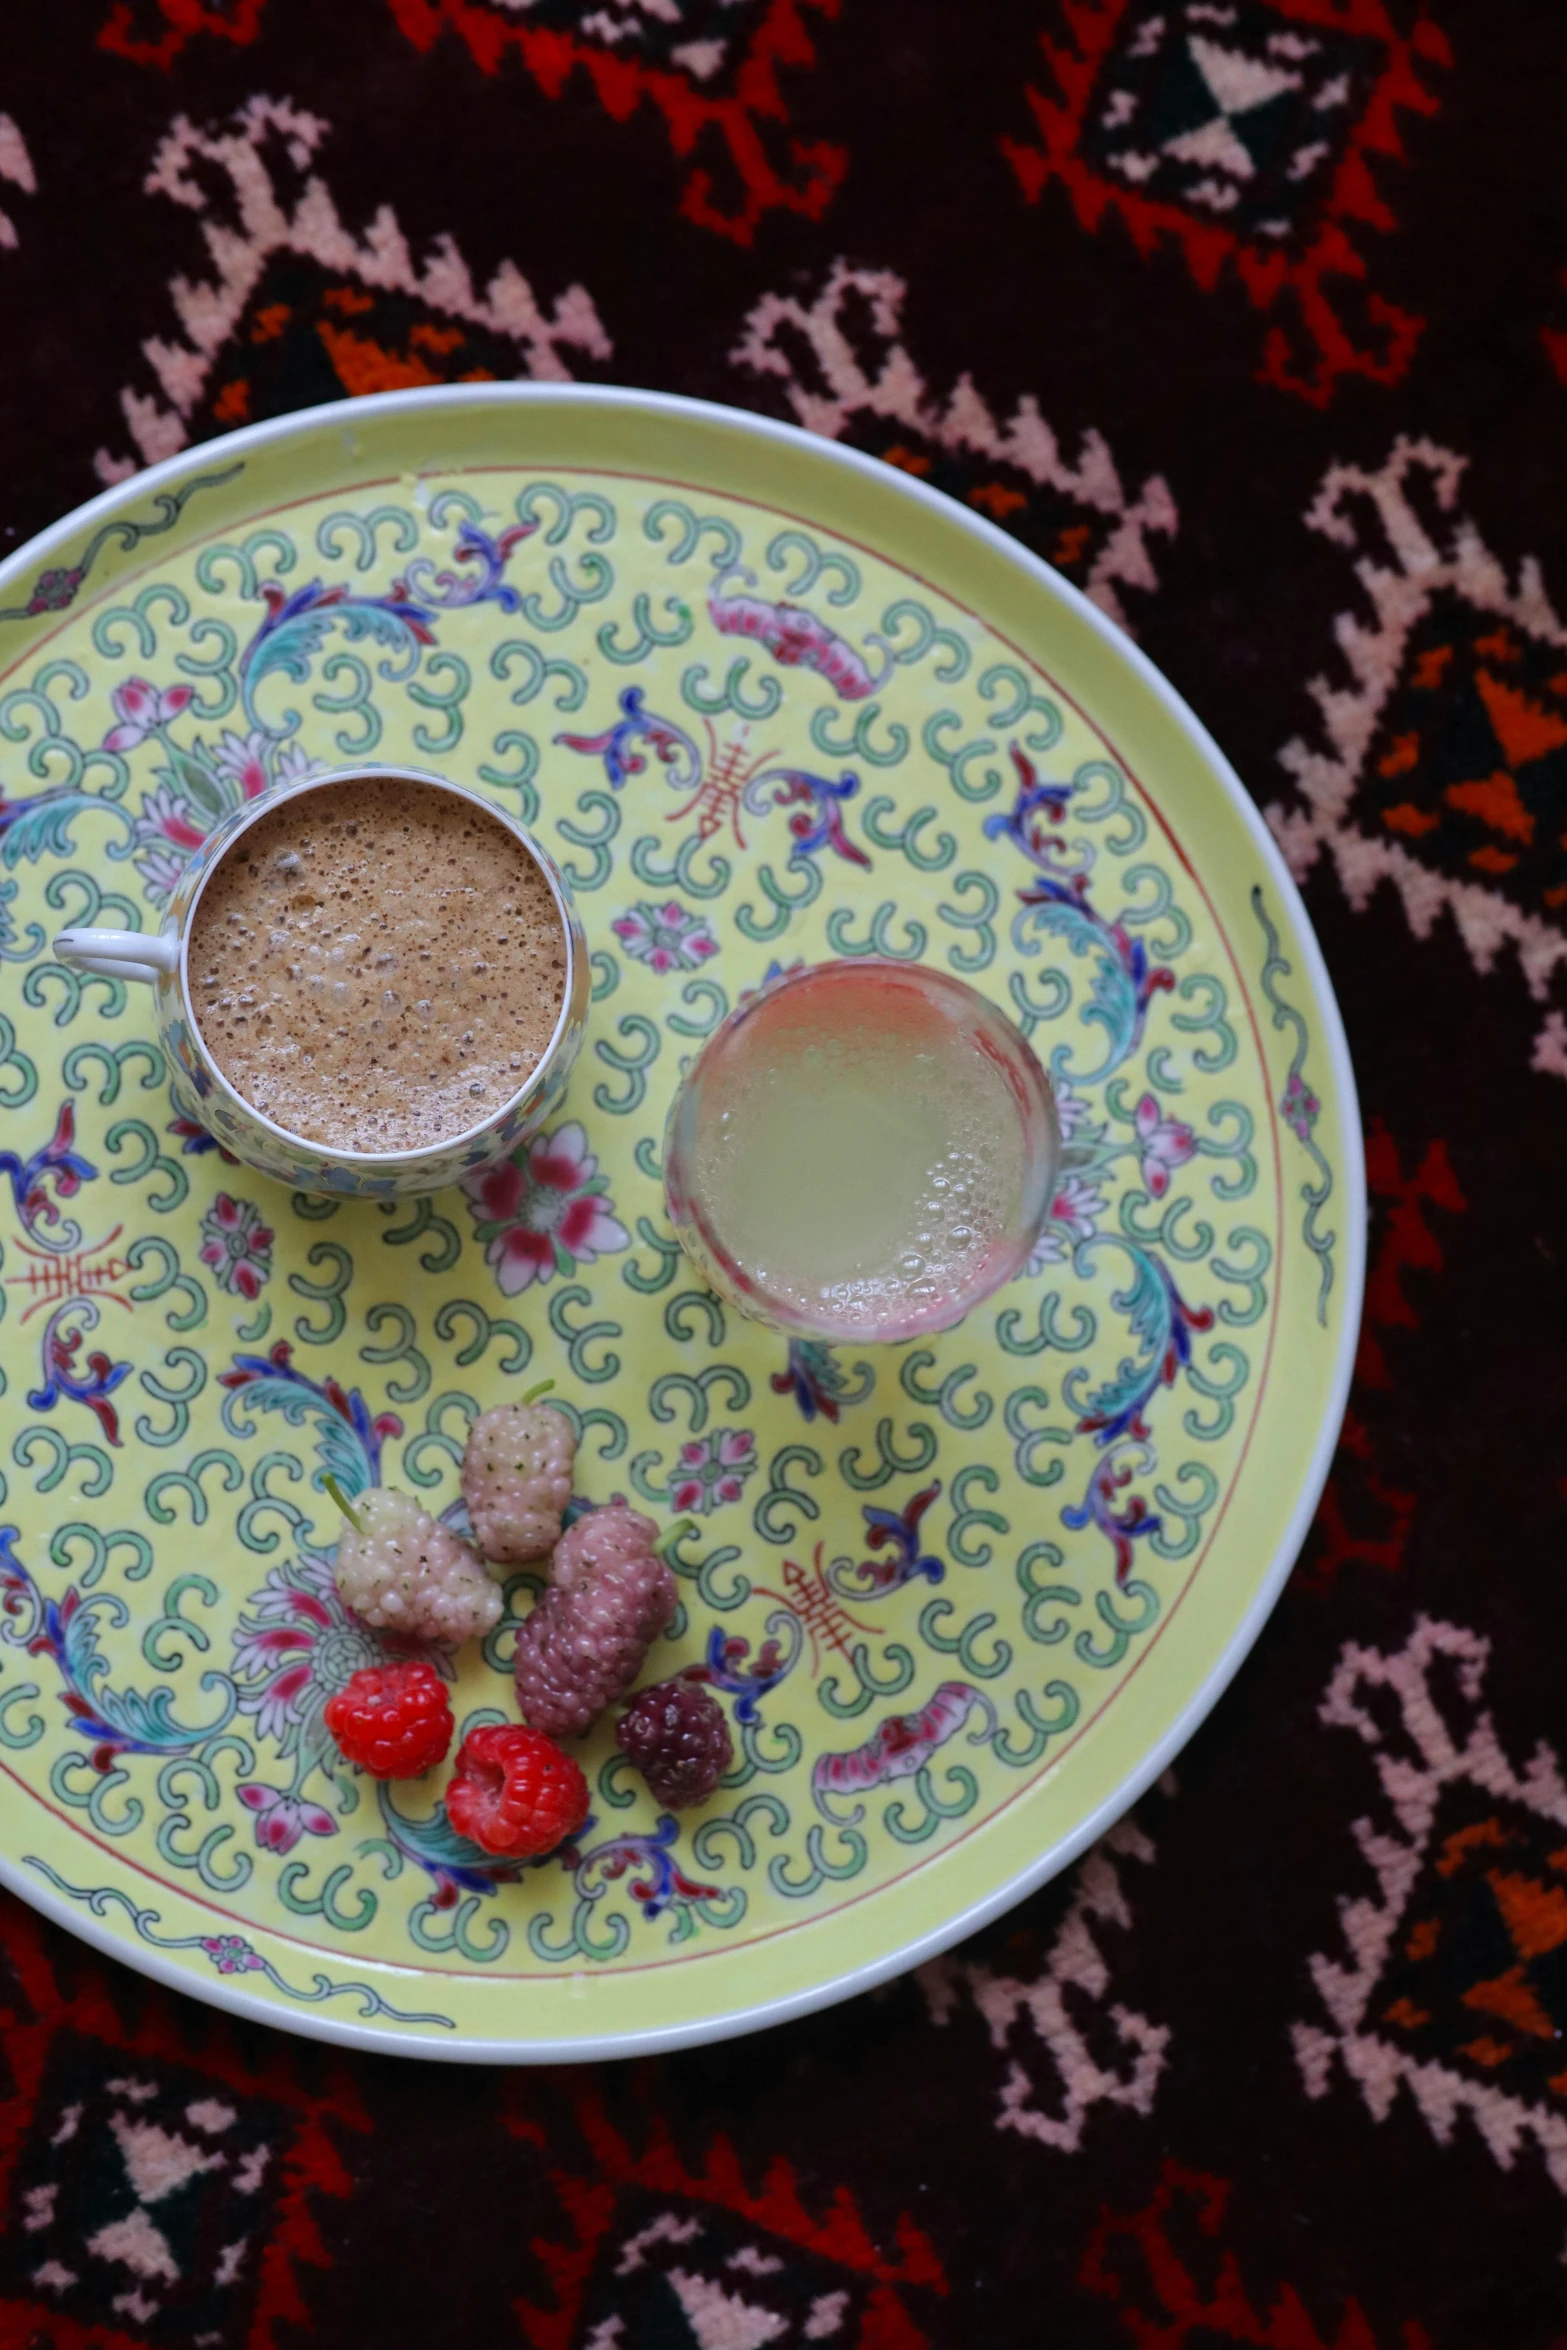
point(119, 954)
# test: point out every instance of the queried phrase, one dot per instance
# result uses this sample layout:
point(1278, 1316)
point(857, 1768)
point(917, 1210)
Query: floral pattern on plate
point(915, 1577)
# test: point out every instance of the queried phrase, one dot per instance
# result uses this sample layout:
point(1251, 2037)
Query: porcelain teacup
point(161, 959)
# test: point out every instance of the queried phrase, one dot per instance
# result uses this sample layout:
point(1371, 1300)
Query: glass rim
point(1022, 1070)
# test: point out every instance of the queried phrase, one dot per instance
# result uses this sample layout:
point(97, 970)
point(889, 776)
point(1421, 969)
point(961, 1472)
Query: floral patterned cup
point(161, 959)
point(790, 1233)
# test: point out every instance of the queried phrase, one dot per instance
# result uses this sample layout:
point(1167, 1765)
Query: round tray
point(767, 701)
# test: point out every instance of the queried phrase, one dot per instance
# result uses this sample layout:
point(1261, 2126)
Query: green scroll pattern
point(912, 1576)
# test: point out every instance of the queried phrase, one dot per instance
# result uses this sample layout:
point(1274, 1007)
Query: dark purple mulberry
point(675, 1734)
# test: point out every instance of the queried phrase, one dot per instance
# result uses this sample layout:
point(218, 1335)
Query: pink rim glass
point(702, 1092)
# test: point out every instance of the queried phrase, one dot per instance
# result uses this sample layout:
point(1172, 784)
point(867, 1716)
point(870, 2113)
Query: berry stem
point(543, 1388)
point(344, 1504)
point(672, 1534)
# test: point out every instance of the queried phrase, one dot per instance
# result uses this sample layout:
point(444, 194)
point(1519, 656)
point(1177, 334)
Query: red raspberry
point(394, 1721)
point(676, 1736)
point(514, 1792)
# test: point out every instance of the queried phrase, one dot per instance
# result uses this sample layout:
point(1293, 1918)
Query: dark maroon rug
point(1271, 295)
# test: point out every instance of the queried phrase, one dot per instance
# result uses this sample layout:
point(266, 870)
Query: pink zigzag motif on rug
point(1050, 2098)
point(1415, 552)
point(853, 330)
point(268, 140)
point(1453, 1803)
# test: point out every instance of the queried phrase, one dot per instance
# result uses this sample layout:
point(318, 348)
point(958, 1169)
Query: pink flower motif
point(141, 708)
point(665, 937)
point(166, 833)
point(236, 1245)
point(241, 760)
point(711, 1471)
point(282, 1819)
point(1071, 1109)
point(231, 1954)
point(290, 765)
point(543, 1211)
point(1164, 1144)
point(1300, 1107)
point(1074, 1216)
point(295, 1646)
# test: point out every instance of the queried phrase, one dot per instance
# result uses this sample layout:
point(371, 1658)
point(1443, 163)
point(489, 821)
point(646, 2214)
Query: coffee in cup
point(377, 967)
point(372, 980)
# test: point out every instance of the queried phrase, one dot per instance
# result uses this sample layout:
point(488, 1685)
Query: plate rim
point(383, 2040)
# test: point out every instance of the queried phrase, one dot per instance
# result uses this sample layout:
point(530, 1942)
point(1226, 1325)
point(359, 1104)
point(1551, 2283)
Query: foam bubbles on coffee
point(377, 966)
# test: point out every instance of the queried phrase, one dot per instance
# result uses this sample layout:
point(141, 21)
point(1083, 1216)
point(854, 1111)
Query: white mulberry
point(516, 1479)
point(407, 1572)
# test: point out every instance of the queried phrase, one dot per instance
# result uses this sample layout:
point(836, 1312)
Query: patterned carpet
point(1251, 315)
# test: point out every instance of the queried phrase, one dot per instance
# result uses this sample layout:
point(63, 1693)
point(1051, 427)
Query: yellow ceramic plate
point(766, 700)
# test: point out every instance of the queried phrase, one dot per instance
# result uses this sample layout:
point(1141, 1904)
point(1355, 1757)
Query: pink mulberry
point(589, 1634)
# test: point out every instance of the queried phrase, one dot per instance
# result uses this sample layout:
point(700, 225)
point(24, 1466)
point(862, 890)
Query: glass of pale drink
point(864, 1150)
